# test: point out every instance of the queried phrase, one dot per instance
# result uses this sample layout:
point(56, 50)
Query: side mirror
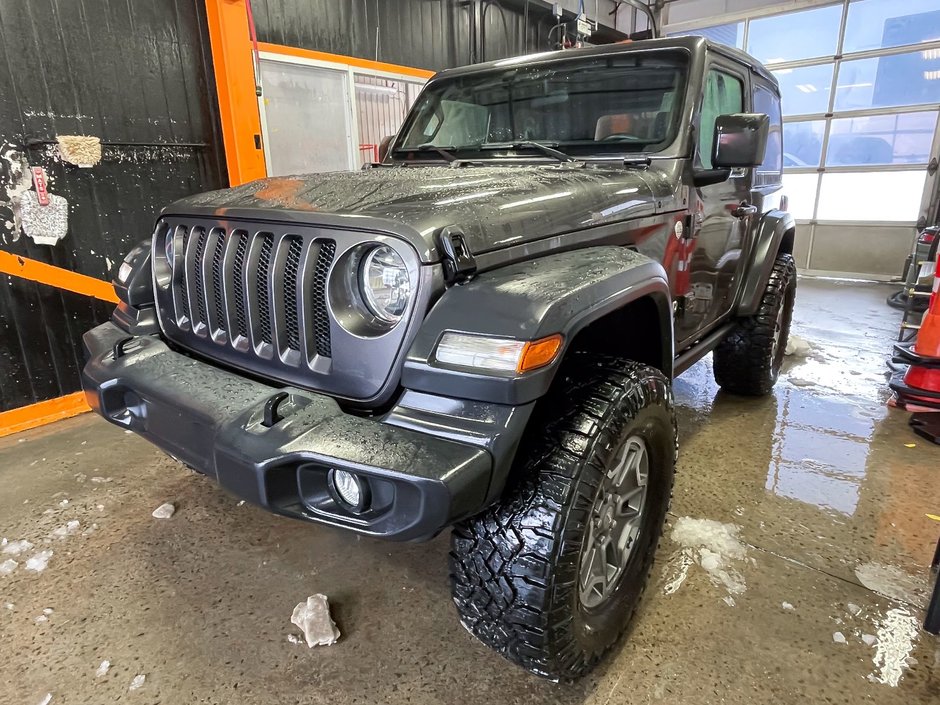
point(384, 146)
point(740, 140)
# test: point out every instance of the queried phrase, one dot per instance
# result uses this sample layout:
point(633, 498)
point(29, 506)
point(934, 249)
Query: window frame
point(717, 62)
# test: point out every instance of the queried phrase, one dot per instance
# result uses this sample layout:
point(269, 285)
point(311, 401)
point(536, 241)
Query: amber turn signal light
point(539, 353)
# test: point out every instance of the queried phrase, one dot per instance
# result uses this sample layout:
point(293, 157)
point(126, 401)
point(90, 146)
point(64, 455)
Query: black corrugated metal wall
point(136, 74)
point(428, 34)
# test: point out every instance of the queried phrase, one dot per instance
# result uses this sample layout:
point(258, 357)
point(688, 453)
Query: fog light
point(349, 490)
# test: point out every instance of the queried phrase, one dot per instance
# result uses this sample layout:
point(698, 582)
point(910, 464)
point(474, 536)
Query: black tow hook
point(271, 415)
point(118, 351)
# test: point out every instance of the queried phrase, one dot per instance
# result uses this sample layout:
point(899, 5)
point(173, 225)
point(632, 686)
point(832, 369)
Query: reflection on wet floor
point(793, 569)
point(826, 440)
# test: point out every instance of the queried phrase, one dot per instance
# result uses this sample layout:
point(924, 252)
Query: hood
point(493, 206)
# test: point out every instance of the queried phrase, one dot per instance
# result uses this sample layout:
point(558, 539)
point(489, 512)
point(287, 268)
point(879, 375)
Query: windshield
point(613, 104)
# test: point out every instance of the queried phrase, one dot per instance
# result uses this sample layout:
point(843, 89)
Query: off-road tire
point(747, 362)
point(515, 568)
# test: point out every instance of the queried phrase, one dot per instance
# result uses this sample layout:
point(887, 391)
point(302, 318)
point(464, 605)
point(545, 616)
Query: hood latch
point(459, 264)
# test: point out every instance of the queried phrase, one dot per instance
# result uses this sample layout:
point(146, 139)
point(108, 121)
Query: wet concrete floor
point(823, 489)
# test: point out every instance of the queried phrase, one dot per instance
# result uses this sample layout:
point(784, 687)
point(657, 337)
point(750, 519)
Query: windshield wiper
point(544, 149)
point(445, 154)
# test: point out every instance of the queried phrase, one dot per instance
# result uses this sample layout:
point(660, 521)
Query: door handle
point(744, 210)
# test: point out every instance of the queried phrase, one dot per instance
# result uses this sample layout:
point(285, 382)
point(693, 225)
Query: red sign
point(39, 181)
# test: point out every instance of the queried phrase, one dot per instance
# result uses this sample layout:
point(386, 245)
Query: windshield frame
point(670, 147)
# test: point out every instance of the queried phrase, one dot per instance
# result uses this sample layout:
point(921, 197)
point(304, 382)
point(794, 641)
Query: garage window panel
point(731, 34)
point(882, 24)
point(805, 90)
point(901, 138)
point(802, 143)
point(876, 196)
point(897, 80)
point(771, 39)
point(801, 190)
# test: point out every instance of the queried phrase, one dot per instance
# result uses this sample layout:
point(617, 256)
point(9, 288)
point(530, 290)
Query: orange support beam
point(51, 275)
point(34, 415)
point(353, 61)
point(235, 85)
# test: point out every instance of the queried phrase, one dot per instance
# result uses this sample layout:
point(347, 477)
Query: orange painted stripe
point(347, 60)
point(27, 417)
point(235, 85)
point(43, 273)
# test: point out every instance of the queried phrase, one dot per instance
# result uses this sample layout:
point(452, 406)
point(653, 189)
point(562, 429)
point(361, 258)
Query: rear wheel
point(551, 576)
point(748, 360)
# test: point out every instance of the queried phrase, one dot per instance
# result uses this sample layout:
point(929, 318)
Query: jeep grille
point(255, 296)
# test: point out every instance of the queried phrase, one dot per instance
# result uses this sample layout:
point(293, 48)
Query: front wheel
point(748, 360)
point(551, 576)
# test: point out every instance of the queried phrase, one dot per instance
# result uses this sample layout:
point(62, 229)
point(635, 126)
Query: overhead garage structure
point(861, 94)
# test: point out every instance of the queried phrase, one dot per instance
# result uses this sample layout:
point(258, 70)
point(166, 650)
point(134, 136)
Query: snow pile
point(39, 561)
point(713, 546)
point(313, 618)
point(891, 582)
point(15, 548)
point(895, 642)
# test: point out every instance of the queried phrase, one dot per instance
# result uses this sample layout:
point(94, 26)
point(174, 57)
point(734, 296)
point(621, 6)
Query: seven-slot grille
point(257, 292)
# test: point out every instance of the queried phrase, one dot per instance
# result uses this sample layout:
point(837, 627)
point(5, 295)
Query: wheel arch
point(775, 234)
point(583, 294)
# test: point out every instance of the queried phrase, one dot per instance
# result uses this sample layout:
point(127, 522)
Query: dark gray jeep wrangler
point(480, 331)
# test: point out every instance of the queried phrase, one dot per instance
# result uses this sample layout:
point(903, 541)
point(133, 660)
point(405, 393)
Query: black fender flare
point(559, 293)
point(771, 233)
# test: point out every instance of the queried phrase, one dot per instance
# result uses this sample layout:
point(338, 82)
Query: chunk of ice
point(138, 682)
point(102, 669)
point(164, 511)
point(66, 529)
point(8, 566)
point(15, 548)
point(313, 618)
point(46, 699)
point(38, 561)
point(797, 346)
point(787, 606)
point(838, 637)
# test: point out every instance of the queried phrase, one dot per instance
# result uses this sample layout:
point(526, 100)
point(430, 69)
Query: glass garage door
point(307, 118)
point(861, 100)
point(318, 116)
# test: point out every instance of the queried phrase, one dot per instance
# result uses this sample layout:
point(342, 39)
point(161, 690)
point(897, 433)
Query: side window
point(724, 95)
point(771, 171)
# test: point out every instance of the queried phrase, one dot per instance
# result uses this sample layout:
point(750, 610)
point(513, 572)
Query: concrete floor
point(830, 490)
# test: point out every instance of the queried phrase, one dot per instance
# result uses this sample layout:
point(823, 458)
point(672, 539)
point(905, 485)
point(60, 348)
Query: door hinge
point(459, 264)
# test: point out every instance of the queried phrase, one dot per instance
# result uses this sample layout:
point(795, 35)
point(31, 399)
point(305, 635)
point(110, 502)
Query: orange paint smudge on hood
point(284, 193)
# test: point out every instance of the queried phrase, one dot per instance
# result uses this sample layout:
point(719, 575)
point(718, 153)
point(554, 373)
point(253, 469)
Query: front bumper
point(214, 421)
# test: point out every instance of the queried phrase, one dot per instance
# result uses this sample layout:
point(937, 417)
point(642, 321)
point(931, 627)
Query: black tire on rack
point(551, 575)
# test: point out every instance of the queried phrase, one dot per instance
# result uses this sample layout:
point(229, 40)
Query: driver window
point(724, 95)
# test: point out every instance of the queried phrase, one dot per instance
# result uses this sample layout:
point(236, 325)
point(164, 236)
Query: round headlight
point(384, 283)
point(170, 246)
